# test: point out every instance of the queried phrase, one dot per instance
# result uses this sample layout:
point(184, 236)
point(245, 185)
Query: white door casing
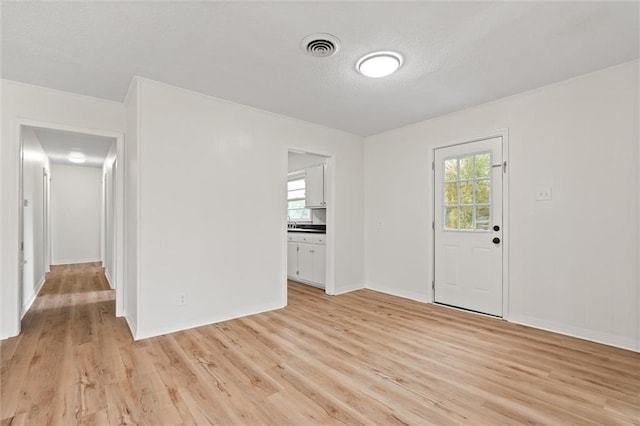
point(468, 226)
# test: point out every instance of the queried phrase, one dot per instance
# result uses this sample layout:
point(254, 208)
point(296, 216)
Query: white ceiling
point(457, 54)
point(58, 144)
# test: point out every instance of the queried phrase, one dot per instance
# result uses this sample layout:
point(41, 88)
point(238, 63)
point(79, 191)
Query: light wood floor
point(360, 358)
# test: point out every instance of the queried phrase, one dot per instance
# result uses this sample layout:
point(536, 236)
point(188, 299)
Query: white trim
point(345, 290)
point(320, 286)
point(506, 225)
point(133, 327)
point(392, 291)
point(27, 304)
point(108, 277)
point(76, 261)
point(578, 332)
point(185, 325)
point(138, 207)
point(504, 135)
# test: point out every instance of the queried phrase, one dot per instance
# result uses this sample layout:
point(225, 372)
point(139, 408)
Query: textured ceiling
point(58, 144)
point(457, 54)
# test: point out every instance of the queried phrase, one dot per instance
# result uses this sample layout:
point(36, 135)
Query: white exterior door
point(468, 226)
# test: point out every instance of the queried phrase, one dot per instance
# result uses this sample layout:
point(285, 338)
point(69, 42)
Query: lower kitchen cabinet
point(306, 258)
point(292, 258)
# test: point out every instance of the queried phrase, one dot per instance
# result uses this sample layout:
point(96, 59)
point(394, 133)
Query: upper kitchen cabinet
point(314, 187)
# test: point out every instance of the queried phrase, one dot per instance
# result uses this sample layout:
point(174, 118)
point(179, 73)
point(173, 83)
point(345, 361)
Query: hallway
point(51, 371)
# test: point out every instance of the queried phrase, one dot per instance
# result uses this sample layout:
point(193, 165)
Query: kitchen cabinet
point(314, 187)
point(292, 256)
point(306, 258)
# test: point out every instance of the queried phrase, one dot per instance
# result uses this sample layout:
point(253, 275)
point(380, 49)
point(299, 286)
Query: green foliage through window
point(467, 192)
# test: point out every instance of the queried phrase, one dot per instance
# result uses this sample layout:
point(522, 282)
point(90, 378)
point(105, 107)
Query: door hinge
point(297, 248)
point(504, 167)
point(433, 225)
point(433, 286)
point(433, 165)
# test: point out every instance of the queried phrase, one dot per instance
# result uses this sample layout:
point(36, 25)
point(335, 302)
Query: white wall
point(25, 103)
point(131, 214)
point(574, 260)
point(206, 168)
point(35, 161)
point(76, 204)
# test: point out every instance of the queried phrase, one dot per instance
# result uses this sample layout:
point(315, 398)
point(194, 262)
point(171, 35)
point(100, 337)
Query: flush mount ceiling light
point(76, 157)
point(379, 64)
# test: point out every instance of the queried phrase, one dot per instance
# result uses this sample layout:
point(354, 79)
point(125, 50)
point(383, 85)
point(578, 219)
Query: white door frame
point(10, 278)
point(46, 223)
point(329, 193)
point(504, 134)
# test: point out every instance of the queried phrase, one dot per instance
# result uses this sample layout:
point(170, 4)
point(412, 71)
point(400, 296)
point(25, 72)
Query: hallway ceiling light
point(379, 64)
point(76, 157)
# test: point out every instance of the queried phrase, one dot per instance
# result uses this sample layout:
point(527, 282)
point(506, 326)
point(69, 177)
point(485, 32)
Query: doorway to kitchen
point(310, 213)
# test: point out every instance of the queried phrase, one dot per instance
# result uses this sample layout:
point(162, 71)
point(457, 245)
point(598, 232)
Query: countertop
point(307, 231)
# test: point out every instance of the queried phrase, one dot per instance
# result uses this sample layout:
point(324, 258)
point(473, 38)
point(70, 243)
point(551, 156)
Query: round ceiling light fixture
point(379, 64)
point(76, 157)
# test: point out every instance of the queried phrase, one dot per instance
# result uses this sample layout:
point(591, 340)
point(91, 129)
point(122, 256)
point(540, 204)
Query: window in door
point(296, 199)
point(467, 192)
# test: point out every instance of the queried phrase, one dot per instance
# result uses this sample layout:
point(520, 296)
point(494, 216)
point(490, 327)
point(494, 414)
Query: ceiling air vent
point(320, 45)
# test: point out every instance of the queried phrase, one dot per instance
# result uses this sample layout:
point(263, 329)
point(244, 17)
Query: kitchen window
point(296, 198)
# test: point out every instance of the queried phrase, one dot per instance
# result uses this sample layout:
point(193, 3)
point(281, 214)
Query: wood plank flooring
point(359, 358)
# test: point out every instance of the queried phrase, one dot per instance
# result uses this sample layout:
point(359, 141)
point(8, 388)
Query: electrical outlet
point(543, 194)
point(182, 299)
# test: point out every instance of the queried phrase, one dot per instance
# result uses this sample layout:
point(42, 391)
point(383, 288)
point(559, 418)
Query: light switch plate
point(543, 194)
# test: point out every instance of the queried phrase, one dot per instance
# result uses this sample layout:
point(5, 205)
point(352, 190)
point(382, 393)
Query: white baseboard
point(158, 331)
point(579, 332)
point(27, 303)
point(133, 327)
point(108, 276)
point(307, 282)
point(344, 290)
point(74, 261)
point(568, 330)
point(419, 297)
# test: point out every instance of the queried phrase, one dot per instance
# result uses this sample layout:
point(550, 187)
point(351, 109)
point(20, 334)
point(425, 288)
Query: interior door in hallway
point(468, 226)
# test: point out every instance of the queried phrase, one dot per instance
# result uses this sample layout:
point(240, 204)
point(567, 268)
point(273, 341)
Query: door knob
point(496, 228)
point(496, 240)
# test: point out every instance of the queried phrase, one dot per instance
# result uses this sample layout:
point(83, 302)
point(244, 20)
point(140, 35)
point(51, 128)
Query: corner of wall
point(133, 327)
point(578, 332)
point(398, 292)
point(146, 333)
point(348, 289)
